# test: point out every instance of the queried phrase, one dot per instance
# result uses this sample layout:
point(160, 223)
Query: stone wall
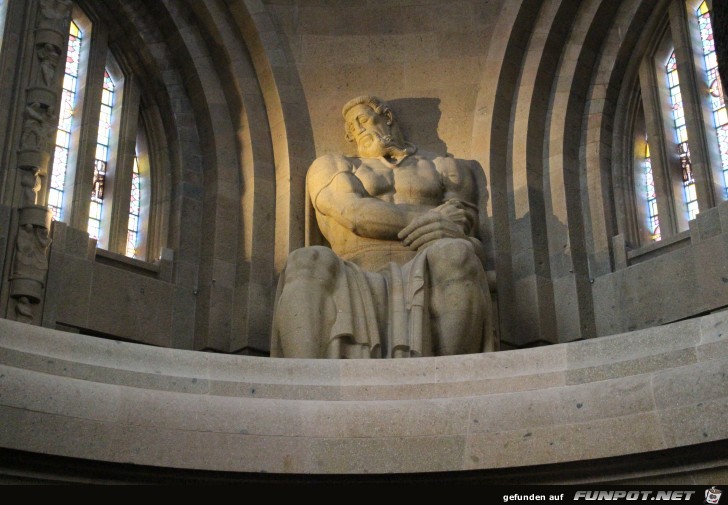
point(108, 295)
point(668, 282)
point(425, 57)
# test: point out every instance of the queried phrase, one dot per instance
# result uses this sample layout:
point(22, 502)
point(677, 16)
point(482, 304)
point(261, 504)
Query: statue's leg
point(457, 302)
point(305, 310)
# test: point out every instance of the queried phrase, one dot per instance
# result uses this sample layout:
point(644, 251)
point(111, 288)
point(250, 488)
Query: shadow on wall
point(419, 119)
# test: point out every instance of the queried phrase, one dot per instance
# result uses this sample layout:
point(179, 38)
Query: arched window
point(138, 221)
point(715, 88)
point(684, 169)
point(3, 14)
point(103, 152)
point(96, 182)
point(681, 137)
point(66, 119)
point(135, 209)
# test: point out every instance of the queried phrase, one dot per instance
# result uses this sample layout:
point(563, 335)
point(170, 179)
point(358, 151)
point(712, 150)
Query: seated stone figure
point(404, 276)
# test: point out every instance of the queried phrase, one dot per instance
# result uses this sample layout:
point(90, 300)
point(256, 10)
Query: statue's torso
point(416, 181)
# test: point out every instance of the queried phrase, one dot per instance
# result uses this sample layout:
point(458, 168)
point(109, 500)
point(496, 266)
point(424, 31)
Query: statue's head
point(371, 124)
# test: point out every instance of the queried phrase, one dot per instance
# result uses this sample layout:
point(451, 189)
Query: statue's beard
point(382, 145)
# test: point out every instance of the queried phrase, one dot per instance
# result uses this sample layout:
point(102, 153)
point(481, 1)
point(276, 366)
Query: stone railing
point(71, 395)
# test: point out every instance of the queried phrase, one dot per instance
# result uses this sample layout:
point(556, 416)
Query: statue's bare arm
point(459, 182)
point(338, 194)
point(456, 217)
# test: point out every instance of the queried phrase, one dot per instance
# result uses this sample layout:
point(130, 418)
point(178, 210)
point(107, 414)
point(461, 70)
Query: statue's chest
point(377, 180)
point(415, 183)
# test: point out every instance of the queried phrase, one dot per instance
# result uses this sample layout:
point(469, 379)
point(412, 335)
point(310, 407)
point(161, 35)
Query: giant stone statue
point(404, 275)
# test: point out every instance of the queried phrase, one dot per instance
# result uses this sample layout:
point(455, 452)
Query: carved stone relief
point(30, 261)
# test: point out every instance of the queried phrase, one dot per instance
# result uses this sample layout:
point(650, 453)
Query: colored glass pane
point(653, 221)
point(717, 97)
point(3, 13)
point(132, 237)
point(681, 136)
point(103, 140)
point(65, 122)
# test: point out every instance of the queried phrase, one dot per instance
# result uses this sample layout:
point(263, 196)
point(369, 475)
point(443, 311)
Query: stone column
point(29, 264)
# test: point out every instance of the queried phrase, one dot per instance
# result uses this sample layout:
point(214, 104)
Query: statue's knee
point(313, 255)
point(452, 257)
point(314, 262)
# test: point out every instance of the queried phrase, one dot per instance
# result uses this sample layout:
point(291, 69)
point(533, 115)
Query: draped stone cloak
point(384, 313)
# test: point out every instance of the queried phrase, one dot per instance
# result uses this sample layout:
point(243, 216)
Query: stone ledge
point(77, 396)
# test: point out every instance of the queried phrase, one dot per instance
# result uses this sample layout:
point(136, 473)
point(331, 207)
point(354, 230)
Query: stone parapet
point(72, 395)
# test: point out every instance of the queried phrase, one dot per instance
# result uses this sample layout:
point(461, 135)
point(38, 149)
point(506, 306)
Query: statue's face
point(369, 130)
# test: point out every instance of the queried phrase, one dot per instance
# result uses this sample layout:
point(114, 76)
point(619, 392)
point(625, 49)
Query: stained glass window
point(103, 142)
point(65, 122)
point(717, 98)
point(3, 13)
point(132, 237)
point(74, 166)
point(653, 222)
point(681, 135)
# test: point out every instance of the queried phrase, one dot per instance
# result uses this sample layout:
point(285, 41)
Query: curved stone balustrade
point(73, 395)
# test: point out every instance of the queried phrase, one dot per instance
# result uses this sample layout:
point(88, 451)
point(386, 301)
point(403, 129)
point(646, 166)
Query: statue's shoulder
point(449, 166)
point(325, 169)
point(328, 165)
point(462, 176)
